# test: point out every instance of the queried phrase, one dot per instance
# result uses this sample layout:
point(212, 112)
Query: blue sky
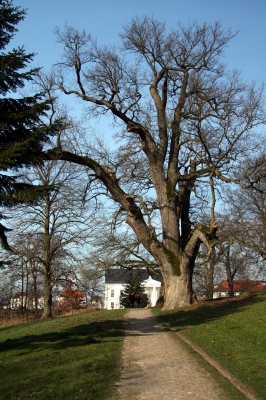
point(104, 19)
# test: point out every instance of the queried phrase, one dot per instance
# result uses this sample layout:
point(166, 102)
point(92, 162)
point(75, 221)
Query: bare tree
point(185, 124)
point(57, 227)
point(205, 275)
point(115, 245)
point(89, 279)
point(231, 257)
point(246, 206)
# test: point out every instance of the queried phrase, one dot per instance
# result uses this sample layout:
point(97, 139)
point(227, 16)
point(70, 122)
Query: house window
point(112, 304)
point(112, 293)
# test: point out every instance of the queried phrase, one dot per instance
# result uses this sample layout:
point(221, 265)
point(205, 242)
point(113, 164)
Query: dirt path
point(155, 366)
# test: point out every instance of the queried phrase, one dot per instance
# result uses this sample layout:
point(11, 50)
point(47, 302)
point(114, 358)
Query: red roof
point(243, 286)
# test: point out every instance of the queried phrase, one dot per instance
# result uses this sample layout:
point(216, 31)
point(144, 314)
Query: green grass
point(79, 357)
point(233, 332)
point(76, 357)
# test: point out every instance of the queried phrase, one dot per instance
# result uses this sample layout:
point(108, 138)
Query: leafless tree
point(183, 124)
point(56, 228)
point(246, 206)
point(207, 274)
point(232, 257)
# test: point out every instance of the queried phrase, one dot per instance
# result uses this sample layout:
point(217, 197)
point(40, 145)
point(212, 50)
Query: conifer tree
point(23, 131)
point(133, 285)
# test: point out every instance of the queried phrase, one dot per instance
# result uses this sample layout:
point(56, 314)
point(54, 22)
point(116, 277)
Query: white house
point(20, 298)
point(114, 285)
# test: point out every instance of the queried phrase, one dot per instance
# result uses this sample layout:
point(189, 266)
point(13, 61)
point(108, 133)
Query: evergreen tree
point(23, 132)
point(133, 285)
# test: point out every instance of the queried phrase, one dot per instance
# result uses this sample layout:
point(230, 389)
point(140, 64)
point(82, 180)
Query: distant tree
point(72, 299)
point(133, 285)
point(230, 258)
point(89, 279)
point(54, 228)
point(22, 130)
point(116, 247)
point(203, 279)
point(246, 206)
point(236, 264)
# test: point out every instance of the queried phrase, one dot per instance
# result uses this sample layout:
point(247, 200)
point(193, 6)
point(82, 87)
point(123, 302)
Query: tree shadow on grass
point(92, 333)
point(61, 361)
point(96, 332)
point(207, 311)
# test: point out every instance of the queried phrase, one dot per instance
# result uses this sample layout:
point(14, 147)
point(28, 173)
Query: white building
point(114, 285)
point(19, 300)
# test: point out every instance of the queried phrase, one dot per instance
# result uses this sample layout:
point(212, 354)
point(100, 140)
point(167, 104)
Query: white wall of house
point(219, 295)
point(19, 301)
point(112, 293)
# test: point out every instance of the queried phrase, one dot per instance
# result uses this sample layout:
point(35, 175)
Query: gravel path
point(155, 366)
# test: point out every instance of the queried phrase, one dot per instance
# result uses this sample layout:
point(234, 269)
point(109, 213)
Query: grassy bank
point(233, 332)
point(75, 357)
point(78, 357)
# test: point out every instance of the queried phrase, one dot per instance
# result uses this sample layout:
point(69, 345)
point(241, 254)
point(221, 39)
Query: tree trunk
point(26, 297)
point(178, 288)
point(36, 304)
point(231, 292)
point(47, 311)
point(177, 294)
point(22, 288)
point(229, 274)
point(210, 275)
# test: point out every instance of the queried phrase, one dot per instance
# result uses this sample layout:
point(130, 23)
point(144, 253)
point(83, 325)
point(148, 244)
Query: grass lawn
point(76, 357)
point(232, 331)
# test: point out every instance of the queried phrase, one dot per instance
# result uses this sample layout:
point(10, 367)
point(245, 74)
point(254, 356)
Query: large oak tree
point(185, 123)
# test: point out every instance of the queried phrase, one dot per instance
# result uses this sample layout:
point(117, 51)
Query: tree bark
point(177, 270)
point(47, 311)
point(229, 274)
point(210, 275)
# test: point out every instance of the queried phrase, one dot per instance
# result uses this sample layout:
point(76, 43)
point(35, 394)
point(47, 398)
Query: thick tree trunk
point(231, 292)
point(178, 291)
point(47, 311)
